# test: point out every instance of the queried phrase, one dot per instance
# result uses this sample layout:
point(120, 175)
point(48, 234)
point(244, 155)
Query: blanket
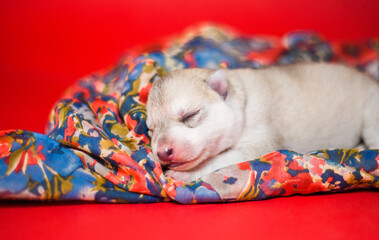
point(96, 146)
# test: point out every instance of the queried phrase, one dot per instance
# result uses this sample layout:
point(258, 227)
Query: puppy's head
point(191, 117)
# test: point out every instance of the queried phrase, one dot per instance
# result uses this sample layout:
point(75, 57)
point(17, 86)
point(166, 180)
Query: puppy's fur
point(202, 120)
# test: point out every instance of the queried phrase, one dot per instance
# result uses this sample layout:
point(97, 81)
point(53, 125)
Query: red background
point(46, 45)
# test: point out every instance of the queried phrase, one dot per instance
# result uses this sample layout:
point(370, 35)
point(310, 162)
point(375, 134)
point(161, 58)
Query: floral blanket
point(96, 146)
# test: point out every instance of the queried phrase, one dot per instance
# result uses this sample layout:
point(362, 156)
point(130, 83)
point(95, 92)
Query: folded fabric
point(96, 145)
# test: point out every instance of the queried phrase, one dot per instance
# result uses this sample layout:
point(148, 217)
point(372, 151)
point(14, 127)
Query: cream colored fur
point(302, 107)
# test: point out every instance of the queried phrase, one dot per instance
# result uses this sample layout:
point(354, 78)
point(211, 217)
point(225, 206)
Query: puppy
point(201, 120)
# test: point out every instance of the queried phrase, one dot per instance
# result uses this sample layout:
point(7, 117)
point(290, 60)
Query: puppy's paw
point(185, 177)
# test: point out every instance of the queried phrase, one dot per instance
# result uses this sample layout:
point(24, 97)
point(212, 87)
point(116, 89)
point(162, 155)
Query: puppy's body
point(204, 120)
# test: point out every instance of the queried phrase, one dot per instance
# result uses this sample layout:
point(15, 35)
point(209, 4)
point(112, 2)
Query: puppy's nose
point(166, 154)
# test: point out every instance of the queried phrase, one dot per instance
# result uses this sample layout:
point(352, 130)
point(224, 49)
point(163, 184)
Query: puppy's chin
point(184, 166)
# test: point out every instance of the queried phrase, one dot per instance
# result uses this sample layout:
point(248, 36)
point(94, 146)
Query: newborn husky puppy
point(202, 120)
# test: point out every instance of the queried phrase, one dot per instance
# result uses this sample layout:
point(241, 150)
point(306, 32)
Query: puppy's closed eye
point(189, 119)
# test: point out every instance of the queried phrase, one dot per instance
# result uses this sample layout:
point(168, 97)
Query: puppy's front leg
point(208, 166)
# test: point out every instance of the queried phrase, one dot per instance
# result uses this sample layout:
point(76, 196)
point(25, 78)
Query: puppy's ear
point(218, 81)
